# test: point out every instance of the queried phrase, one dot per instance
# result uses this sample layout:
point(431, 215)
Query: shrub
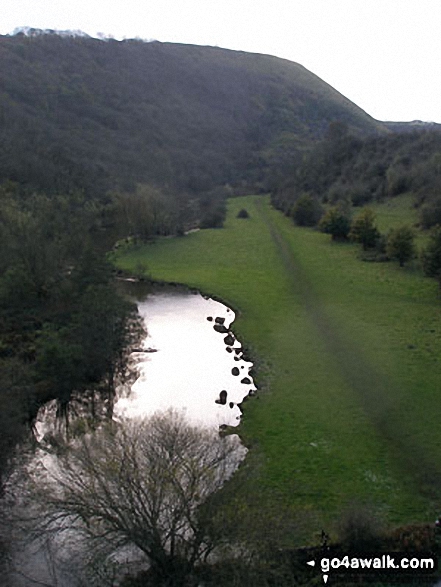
point(431, 256)
point(336, 222)
point(141, 484)
point(359, 528)
point(397, 180)
point(400, 244)
point(363, 229)
point(430, 213)
point(306, 211)
point(214, 217)
point(243, 213)
point(360, 194)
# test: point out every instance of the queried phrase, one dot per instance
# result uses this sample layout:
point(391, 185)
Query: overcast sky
point(384, 55)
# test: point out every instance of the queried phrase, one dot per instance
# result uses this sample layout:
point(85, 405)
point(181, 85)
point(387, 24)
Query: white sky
point(384, 55)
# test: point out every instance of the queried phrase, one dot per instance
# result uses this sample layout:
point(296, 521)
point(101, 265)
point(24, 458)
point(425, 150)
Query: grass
point(399, 211)
point(348, 363)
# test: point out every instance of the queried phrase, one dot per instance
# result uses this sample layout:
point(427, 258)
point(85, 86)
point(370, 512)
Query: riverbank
point(346, 361)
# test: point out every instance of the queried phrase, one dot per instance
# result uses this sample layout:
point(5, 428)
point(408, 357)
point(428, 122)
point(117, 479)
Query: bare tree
point(137, 486)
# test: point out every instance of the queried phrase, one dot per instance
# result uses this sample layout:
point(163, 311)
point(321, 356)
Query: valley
point(346, 364)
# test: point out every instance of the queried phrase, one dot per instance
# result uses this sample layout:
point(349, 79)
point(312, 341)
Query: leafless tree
point(136, 488)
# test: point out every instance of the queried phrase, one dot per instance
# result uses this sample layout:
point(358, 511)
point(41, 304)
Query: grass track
point(347, 410)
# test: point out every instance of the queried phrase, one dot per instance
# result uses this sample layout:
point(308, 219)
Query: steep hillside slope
point(82, 112)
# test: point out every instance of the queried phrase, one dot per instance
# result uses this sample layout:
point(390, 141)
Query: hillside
point(78, 112)
point(345, 168)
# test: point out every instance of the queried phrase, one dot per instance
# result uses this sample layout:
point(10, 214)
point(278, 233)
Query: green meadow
point(399, 211)
point(347, 360)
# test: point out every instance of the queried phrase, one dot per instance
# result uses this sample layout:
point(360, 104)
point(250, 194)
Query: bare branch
point(137, 484)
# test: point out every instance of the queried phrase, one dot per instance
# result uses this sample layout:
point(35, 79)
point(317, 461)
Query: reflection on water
point(187, 364)
point(189, 361)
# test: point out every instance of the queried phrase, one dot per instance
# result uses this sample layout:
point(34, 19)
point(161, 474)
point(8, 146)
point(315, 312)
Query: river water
point(187, 364)
point(189, 361)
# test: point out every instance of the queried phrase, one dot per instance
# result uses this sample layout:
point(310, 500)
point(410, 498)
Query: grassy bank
point(347, 357)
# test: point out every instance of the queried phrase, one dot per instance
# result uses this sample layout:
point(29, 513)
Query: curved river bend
point(192, 362)
point(189, 361)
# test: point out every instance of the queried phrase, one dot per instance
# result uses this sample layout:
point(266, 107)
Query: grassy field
point(399, 211)
point(347, 356)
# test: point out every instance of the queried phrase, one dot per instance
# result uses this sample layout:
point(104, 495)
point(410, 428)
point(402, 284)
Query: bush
point(214, 217)
point(430, 213)
point(400, 244)
point(360, 194)
point(243, 213)
point(363, 229)
point(143, 484)
point(359, 529)
point(431, 256)
point(336, 222)
point(306, 211)
point(397, 180)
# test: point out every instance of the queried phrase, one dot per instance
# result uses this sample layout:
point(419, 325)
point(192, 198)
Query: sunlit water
point(184, 364)
point(188, 364)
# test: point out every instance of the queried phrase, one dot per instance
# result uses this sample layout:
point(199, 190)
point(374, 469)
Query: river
point(189, 361)
point(187, 364)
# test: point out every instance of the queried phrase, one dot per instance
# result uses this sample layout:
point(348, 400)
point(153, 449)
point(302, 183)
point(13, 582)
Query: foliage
point(139, 485)
point(336, 222)
point(431, 255)
point(111, 114)
point(147, 213)
point(363, 169)
point(430, 212)
point(16, 395)
point(243, 213)
point(306, 211)
point(363, 229)
point(400, 244)
point(65, 331)
point(213, 210)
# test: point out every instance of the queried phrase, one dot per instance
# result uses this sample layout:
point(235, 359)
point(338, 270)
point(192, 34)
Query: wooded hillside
point(78, 112)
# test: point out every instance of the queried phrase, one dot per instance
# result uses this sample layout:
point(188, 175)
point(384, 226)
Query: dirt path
point(379, 397)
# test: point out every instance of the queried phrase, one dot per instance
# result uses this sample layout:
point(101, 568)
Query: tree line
point(65, 330)
point(345, 167)
point(344, 172)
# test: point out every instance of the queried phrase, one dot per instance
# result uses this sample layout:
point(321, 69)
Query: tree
point(16, 397)
point(363, 229)
point(147, 213)
point(140, 485)
point(431, 256)
point(306, 211)
point(400, 244)
point(336, 222)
